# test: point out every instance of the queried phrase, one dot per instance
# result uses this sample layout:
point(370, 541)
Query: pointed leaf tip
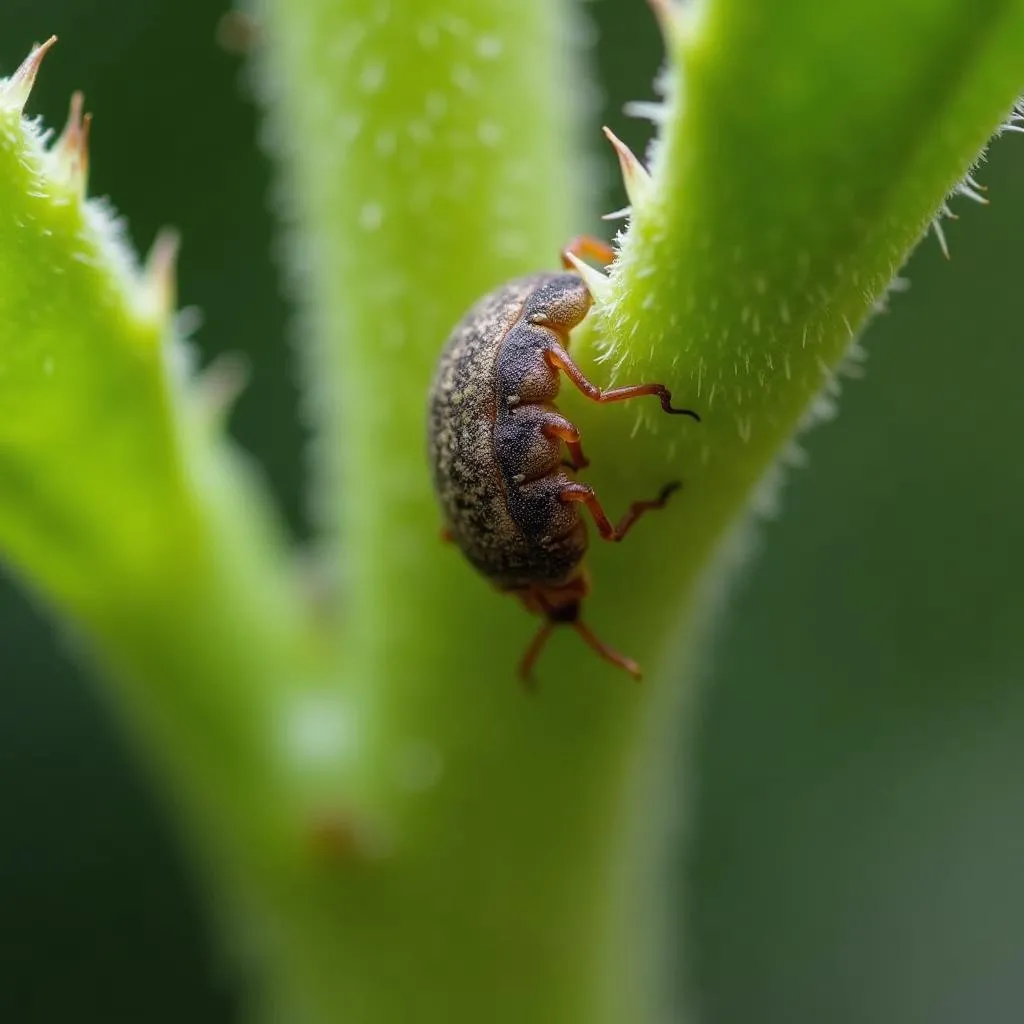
point(220, 385)
point(71, 150)
point(623, 214)
point(666, 14)
point(239, 33)
point(941, 236)
point(595, 281)
point(634, 174)
point(160, 278)
point(17, 89)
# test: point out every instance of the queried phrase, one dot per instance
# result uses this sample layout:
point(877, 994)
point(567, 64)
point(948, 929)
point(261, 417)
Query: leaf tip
point(1015, 122)
point(624, 214)
point(15, 92)
point(971, 189)
point(596, 282)
point(940, 235)
point(239, 33)
point(160, 277)
point(666, 14)
point(219, 387)
point(71, 150)
point(634, 174)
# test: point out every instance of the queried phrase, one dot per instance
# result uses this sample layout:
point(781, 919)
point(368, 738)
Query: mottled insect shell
point(497, 472)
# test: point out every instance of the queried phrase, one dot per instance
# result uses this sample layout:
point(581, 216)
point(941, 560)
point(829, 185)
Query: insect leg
point(540, 638)
point(558, 426)
point(561, 360)
point(588, 247)
point(585, 495)
point(608, 653)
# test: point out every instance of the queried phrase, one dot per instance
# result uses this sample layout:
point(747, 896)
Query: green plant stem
point(416, 193)
point(513, 888)
point(133, 518)
point(764, 246)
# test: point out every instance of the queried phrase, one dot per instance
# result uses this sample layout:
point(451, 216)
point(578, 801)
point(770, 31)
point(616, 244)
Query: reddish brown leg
point(588, 247)
point(540, 638)
point(609, 654)
point(586, 496)
point(446, 535)
point(569, 433)
point(561, 360)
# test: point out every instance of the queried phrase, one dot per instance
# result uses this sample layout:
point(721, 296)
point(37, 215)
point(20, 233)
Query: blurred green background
point(857, 847)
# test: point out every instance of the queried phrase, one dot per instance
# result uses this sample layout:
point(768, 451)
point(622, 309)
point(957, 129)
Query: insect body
point(510, 501)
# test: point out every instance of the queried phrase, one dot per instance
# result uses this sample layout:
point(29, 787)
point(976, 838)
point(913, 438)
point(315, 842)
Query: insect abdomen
point(493, 466)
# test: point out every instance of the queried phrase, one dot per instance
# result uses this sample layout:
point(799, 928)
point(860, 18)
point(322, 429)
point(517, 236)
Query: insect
point(510, 501)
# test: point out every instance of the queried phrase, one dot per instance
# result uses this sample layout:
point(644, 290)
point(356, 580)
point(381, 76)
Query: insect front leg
point(588, 247)
point(557, 356)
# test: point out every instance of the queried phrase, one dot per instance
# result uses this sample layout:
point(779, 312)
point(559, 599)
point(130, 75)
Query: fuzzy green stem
point(523, 844)
point(429, 158)
point(125, 508)
point(805, 152)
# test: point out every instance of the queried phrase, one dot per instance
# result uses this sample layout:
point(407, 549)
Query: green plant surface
point(760, 247)
point(125, 508)
point(399, 832)
point(766, 141)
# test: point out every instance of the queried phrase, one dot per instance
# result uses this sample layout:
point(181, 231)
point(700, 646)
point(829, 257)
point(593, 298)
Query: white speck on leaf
point(420, 131)
point(371, 216)
point(317, 729)
point(488, 133)
point(349, 127)
point(512, 243)
point(437, 104)
point(463, 78)
point(489, 47)
point(428, 36)
point(371, 78)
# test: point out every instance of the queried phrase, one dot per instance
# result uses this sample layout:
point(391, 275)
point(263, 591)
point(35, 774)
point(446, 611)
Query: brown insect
point(510, 500)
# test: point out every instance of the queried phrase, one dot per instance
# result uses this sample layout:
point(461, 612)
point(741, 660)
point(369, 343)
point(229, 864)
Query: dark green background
point(858, 843)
